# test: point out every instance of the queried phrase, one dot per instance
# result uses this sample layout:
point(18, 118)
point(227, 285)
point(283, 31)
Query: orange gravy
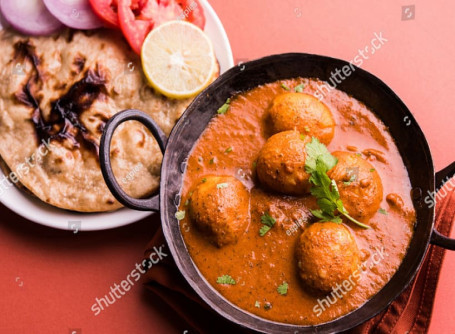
point(260, 264)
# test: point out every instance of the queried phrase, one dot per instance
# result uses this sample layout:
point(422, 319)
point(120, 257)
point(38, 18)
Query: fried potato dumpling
point(281, 163)
point(359, 184)
point(327, 255)
point(219, 207)
point(304, 113)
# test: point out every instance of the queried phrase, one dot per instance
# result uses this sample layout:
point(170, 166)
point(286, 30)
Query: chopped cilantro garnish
point(358, 154)
point(299, 88)
point(180, 215)
point(225, 279)
point(225, 107)
point(318, 162)
point(318, 157)
point(222, 185)
point(204, 180)
point(264, 229)
point(383, 211)
point(255, 164)
point(268, 222)
point(307, 129)
point(372, 170)
point(212, 161)
point(302, 136)
point(229, 149)
point(284, 86)
point(283, 288)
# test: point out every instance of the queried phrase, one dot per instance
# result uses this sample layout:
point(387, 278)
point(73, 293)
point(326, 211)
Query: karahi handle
point(146, 204)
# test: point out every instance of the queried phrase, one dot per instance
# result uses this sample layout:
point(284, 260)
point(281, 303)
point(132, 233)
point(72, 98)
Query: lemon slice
point(178, 59)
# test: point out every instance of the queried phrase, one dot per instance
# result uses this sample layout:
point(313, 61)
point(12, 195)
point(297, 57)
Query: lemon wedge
point(178, 59)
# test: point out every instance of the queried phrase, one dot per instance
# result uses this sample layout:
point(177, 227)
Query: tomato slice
point(107, 11)
point(192, 12)
point(138, 17)
point(135, 29)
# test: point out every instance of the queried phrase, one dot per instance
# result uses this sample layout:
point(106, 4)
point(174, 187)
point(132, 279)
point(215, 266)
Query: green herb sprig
point(268, 222)
point(299, 88)
point(225, 107)
point(283, 289)
point(318, 162)
point(226, 279)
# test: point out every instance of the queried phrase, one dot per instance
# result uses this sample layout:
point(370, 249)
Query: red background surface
point(49, 279)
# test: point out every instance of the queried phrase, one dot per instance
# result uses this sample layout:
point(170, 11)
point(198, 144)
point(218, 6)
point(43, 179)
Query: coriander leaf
point(268, 222)
point(283, 288)
point(340, 206)
point(372, 170)
point(264, 229)
point(335, 189)
point(212, 161)
point(326, 217)
point(299, 88)
point(204, 180)
point(383, 211)
point(337, 220)
point(318, 162)
point(322, 185)
point(222, 185)
point(327, 205)
point(318, 152)
point(225, 107)
point(321, 215)
point(180, 215)
point(229, 149)
point(225, 279)
point(284, 86)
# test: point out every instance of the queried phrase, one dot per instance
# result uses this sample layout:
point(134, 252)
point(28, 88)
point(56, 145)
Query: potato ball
point(327, 255)
point(220, 208)
point(304, 113)
point(359, 185)
point(281, 163)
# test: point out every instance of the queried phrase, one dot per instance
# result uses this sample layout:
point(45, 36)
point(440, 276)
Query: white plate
point(42, 213)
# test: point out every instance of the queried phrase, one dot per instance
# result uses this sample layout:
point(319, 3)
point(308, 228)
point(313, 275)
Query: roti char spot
point(64, 120)
point(25, 50)
point(79, 64)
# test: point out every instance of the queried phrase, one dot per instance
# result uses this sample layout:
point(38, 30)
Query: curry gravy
point(260, 264)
